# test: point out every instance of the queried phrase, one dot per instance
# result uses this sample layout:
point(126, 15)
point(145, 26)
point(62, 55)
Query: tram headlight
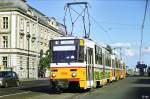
point(53, 75)
point(74, 74)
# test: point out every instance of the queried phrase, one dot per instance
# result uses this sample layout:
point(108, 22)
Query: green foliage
point(44, 61)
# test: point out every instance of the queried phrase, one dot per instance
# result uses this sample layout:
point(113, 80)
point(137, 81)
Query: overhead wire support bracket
point(84, 14)
point(75, 3)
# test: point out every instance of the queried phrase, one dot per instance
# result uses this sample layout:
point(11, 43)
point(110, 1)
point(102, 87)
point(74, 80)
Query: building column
point(13, 31)
point(1, 63)
point(13, 62)
point(13, 39)
point(37, 50)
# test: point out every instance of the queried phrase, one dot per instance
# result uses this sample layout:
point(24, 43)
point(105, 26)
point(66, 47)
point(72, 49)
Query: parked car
point(9, 78)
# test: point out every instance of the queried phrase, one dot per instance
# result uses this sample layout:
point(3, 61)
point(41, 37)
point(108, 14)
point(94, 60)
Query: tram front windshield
point(64, 56)
point(64, 51)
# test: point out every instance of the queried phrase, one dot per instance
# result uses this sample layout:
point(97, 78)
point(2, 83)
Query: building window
point(5, 61)
point(33, 29)
point(5, 22)
point(30, 12)
point(21, 24)
point(33, 63)
point(28, 27)
point(5, 41)
point(21, 43)
point(21, 63)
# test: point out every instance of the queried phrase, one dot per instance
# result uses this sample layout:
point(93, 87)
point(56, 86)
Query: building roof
point(23, 7)
point(24, 0)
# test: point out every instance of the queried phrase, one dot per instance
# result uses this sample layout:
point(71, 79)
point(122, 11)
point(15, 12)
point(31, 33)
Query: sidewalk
point(32, 79)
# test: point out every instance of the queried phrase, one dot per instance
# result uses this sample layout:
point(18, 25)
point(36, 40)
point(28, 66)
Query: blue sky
point(121, 19)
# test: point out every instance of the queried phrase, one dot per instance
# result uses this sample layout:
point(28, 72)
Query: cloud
point(130, 52)
point(122, 45)
point(146, 50)
point(126, 49)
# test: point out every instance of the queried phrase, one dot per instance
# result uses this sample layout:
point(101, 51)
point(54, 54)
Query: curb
point(32, 79)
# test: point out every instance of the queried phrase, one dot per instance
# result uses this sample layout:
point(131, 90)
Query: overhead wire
point(102, 28)
point(99, 25)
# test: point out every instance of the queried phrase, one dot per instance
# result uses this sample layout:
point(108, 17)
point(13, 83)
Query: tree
point(44, 62)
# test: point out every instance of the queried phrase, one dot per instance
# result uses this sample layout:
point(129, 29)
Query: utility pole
point(142, 29)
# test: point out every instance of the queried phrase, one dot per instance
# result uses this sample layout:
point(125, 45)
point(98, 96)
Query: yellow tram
point(82, 63)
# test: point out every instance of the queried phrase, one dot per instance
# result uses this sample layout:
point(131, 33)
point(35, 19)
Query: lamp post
point(28, 38)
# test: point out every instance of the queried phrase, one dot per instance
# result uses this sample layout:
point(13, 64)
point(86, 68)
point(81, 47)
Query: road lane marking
point(14, 94)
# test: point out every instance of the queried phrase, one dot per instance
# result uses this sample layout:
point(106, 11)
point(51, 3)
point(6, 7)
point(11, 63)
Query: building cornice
point(32, 17)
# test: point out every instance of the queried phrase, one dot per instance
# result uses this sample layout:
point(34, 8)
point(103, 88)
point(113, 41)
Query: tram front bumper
point(65, 83)
point(61, 83)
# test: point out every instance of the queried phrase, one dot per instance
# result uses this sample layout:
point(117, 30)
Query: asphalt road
point(129, 88)
point(24, 87)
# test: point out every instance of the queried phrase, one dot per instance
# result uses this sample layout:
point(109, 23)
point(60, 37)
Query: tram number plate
point(64, 73)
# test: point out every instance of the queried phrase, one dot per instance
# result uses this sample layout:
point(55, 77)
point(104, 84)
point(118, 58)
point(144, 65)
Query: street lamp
point(28, 38)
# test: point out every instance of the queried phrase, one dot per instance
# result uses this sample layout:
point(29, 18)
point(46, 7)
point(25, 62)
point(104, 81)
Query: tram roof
point(65, 37)
point(73, 37)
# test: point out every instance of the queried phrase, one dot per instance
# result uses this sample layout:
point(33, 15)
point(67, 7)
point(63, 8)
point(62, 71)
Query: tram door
point(89, 66)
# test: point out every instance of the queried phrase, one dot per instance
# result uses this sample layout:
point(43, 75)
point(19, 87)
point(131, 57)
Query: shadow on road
point(142, 92)
point(141, 88)
point(143, 80)
point(46, 89)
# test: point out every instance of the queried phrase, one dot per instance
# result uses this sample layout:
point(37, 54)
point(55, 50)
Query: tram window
point(103, 59)
point(96, 58)
point(106, 59)
point(123, 66)
point(109, 61)
point(98, 55)
point(89, 59)
point(90, 55)
point(113, 63)
point(81, 54)
point(100, 60)
point(90, 52)
point(117, 65)
point(50, 50)
point(85, 57)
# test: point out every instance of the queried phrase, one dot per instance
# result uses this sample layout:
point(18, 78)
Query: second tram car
point(80, 62)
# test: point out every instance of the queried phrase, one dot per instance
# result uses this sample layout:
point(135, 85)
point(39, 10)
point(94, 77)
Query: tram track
point(82, 93)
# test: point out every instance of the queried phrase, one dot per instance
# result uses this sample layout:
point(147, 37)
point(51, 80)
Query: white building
point(24, 31)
